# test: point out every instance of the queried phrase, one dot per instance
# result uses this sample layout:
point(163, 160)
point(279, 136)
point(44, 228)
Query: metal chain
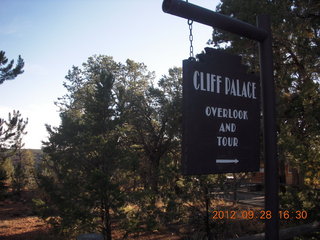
point(190, 22)
point(190, 38)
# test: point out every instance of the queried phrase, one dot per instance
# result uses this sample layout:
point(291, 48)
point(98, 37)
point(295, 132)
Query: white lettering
point(254, 91)
point(227, 141)
point(206, 82)
point(195, 82)
point(208, 111)
point(202, 82)
point(222, 128)
point(234, 88)
point(227, 127)
point(209, 82)
point(226, 113)
point(226, 86)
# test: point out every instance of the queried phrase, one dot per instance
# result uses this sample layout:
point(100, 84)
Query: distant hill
point(37, 153)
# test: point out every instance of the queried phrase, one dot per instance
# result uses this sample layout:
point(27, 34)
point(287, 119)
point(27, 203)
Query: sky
point(54, 35)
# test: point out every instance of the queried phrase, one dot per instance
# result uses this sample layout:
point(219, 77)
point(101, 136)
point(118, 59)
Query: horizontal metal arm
point(213, 19)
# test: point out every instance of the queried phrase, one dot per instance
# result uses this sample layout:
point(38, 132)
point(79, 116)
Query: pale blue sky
point(53, 35)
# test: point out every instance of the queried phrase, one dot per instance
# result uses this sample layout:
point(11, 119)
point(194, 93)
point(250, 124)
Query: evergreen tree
point(18, 179)
point(154, 117)
point(7, 72)
point(84, 162)
point(152, 130)
point(116, 147)
point(3, 179)
point(23, 171)
point(11, 132)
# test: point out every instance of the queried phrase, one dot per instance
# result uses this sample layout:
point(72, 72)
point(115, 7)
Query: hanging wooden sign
point(221, 115)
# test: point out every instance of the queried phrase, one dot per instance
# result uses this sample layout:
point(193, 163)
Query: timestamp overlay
point(258, 214)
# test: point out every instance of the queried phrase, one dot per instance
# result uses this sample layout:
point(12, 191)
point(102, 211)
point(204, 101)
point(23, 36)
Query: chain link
point(191, 38)
point(190, 22)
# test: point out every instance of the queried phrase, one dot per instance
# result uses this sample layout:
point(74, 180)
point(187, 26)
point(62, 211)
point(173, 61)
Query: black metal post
point(205, 16)
point(270, 142)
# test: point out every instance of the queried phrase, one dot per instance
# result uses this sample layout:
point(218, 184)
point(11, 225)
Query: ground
point(17, 222)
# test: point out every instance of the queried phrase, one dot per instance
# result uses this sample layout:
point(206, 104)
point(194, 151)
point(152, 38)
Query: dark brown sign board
point(221, 115)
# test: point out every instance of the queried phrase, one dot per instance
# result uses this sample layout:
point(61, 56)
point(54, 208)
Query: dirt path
point(18, 223)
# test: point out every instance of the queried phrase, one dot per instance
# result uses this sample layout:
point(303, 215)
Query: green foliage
point(115, 151)
point(29, 165)
point(11, 132)
point(306, 198)
point(22, 175)
point(84, 156)
point(8, 168)
point(3, 186)
point(7, 72)
point(18, 179)
point(153, 121)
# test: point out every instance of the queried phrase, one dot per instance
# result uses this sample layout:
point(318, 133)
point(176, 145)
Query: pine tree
point(82, 175)
point(3, 179)
point(7, 72)
point(23, 171)
point(11, 132)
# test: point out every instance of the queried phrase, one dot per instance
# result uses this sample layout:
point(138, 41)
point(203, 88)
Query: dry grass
point(17, 222)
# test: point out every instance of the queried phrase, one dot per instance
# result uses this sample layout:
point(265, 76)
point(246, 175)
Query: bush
point(3, 187)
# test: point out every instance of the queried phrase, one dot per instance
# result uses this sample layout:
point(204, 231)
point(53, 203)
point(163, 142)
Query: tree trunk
point(106, 222)
point(282, 168)
point(298, 177)
point(295, 177)
point(235, 188)
point(301, 178)
point(207, 199)
point(154, 174)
